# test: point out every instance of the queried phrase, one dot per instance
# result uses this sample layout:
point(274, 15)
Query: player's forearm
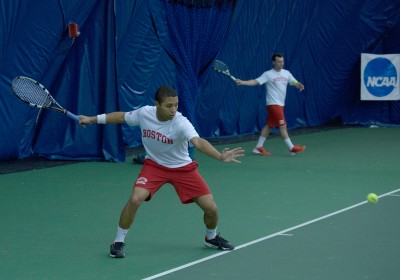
point(247, 82)
point(299, 86)
point(115, 117)
point(205, 147)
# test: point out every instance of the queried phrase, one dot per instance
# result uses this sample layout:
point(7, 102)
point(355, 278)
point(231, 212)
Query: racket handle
point(233, 78)
point(72, 116)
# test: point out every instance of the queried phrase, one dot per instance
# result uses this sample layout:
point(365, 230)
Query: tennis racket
point(221, 67)
point(36, 95)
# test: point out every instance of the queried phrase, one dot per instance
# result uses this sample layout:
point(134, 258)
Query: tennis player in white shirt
point(166, 134)
point(276, 81)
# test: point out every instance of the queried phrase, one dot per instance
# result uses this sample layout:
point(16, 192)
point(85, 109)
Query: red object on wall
point(73, 30)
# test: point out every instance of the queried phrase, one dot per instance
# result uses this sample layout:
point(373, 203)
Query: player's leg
point(293, 149)
point(285, 136)
point(148, 183)
point(207, 204)
point(128, 213)
point(191, 187)
point(265, 131)
point(259, 148)
point(212, 239)
point(126, 219)
point(277, 114)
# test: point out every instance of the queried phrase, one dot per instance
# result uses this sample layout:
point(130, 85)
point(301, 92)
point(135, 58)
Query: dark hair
point(163, 92)
point(275, 55)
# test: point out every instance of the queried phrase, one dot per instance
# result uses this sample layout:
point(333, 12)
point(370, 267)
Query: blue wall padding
point(117, 63)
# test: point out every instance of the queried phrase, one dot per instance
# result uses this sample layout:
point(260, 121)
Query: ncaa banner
point(380, 76)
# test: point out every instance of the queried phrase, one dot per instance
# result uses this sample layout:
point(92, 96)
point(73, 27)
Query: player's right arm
point(114, 117)
point(246, 83)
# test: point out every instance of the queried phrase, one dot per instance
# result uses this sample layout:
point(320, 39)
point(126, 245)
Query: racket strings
point(32, 93)
point(219, 66)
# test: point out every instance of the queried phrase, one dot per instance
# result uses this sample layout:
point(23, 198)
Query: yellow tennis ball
point(372, 198)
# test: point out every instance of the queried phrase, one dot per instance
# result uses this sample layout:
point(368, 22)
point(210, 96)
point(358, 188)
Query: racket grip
point(233, 78)
point(72, 116)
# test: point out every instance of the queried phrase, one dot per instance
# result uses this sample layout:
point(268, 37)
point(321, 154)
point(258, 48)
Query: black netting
point(192, 34)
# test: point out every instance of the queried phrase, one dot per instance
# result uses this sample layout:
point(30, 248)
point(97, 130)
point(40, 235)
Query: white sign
point(380, 75)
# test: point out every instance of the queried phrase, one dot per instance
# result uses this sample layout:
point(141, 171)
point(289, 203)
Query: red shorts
point(275, 117)
point(186, 180)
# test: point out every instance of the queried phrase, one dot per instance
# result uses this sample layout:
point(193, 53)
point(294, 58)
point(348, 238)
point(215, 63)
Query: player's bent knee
point(211, 211)
point(135, 202)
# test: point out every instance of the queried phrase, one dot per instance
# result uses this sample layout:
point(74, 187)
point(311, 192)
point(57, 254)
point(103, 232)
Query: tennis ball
point(372, 198)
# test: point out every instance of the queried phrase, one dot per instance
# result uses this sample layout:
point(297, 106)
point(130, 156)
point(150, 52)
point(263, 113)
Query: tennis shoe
point(261, 151)
point(297, 149)
point(117, 250)
point(218, 243)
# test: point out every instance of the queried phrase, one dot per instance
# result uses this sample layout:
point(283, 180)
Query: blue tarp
point(117, 63)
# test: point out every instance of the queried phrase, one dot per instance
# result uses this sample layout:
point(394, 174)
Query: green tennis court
point(302, 217)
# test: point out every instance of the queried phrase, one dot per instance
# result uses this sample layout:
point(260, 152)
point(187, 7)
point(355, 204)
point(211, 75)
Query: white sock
point(261, 141)
point(288, 143)
point(121, 233)
point(211, 233)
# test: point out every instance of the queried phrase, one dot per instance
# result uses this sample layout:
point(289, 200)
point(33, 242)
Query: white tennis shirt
point(276, 85)
point(166, 142)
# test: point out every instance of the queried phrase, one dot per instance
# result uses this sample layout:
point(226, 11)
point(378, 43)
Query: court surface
point(301, 217)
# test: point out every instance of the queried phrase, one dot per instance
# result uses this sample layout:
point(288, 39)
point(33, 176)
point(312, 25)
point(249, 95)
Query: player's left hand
point(300, 86)
point(228, 155)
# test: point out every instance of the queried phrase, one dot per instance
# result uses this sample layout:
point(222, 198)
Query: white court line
point(283, 232)
point(286, 234)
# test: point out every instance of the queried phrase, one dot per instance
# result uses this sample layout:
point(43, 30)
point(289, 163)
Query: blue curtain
point(192, 33)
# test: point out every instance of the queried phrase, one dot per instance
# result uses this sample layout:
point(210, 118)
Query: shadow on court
point(58, 222)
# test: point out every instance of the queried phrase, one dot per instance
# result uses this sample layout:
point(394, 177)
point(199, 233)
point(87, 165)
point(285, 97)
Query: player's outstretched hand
point(86, 120)
point(300, 86)
point(228, 155)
